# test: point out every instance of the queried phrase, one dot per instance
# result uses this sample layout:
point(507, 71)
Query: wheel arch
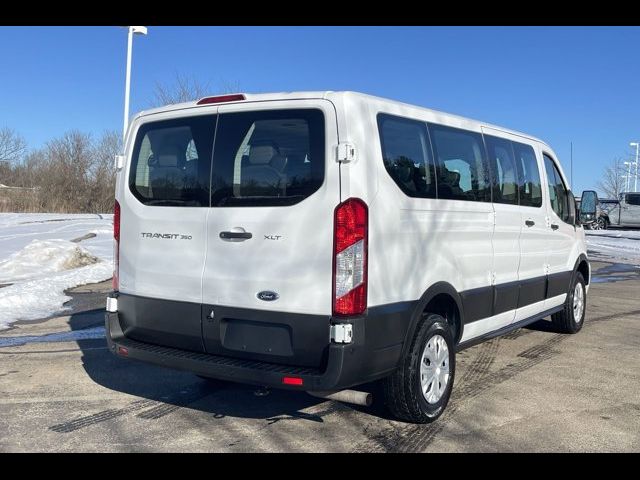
point(582, 265)
point(441, 298)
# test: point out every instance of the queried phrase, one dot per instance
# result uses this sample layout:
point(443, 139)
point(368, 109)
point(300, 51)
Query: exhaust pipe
point(347, 396)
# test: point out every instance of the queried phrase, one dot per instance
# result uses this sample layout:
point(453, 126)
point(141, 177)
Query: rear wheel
point(571, 317)
point(419, 390)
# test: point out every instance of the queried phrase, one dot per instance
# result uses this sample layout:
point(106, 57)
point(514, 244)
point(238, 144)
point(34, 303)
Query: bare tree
point(103, 175)
point(72, 173)
point(613, 179)
point(186, 89)
point(183, 89)
point(65, 173)
point(12, 146)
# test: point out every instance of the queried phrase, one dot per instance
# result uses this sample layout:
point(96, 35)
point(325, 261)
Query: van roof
point(329, 94)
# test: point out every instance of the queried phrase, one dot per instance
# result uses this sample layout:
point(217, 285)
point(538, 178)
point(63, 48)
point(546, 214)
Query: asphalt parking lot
point(531, 390)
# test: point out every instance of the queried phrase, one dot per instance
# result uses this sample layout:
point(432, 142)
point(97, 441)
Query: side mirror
point(589, 202)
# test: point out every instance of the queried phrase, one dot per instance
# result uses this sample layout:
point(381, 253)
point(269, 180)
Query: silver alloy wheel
point(434, 369)
point(578, 302)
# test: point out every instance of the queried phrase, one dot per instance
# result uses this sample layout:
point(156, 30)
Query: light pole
point(635, 182)
point(138, 31)
point(628, 176)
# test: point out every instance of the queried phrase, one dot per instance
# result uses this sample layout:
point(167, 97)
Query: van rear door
point(267, 283)
point(164, 202)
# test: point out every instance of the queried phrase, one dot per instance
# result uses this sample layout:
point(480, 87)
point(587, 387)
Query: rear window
point(268, 158)
point(171, 162)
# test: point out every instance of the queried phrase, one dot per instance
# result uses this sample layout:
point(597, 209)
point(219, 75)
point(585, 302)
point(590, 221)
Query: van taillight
point(116, 245)
point(350, 257)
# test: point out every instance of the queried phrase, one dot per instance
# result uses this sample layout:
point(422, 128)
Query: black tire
point(603, 223)
point(564, 320)
point(403, 390)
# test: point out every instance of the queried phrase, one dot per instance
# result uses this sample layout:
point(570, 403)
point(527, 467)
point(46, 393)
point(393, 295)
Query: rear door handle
point(554, 226)
point(529, 223)
point(235, 236)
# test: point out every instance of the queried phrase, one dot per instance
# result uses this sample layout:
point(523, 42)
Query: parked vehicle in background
point(604, 208)
point(607, 204)
point(599, 214)
point(316, 241)
point(589, 210)
point(626, 213)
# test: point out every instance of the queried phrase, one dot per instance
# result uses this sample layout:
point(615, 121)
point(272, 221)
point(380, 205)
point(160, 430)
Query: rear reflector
point(291, 381)
point(221, 99)
point(123, 351)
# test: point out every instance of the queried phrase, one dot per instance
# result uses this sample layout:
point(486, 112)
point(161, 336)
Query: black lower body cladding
point(260, 347)
point(161, 322)
point(256, 346)
point(484, 302)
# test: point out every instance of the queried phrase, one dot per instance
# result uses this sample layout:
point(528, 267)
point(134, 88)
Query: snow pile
point(40, 298)
point(17, 230)
point(39, 260)
point(620, 246)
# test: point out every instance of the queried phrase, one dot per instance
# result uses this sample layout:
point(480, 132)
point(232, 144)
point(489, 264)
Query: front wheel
point(601, 223)
point(419, 390)
point(571, 318)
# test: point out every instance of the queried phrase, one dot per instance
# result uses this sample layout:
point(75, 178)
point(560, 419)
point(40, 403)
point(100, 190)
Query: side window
point(171, 162)
point(633, 199)
point(529, 181)
point(557, 191)
point(406, 156)
point(463, 171)
point(505, 173)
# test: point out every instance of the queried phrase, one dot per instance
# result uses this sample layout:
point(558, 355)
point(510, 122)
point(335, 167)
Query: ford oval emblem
point(268, 296)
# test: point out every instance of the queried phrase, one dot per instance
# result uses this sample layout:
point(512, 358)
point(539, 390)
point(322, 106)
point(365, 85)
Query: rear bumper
point(373, 354)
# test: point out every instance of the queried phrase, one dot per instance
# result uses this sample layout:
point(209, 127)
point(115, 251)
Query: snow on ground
point(39, 260)
point(619, 246)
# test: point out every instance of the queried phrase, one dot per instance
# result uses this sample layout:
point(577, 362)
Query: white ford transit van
point(320, 240)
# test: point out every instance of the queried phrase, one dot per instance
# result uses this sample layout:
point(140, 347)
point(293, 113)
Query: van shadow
point(543, 325)
point(174, 389)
